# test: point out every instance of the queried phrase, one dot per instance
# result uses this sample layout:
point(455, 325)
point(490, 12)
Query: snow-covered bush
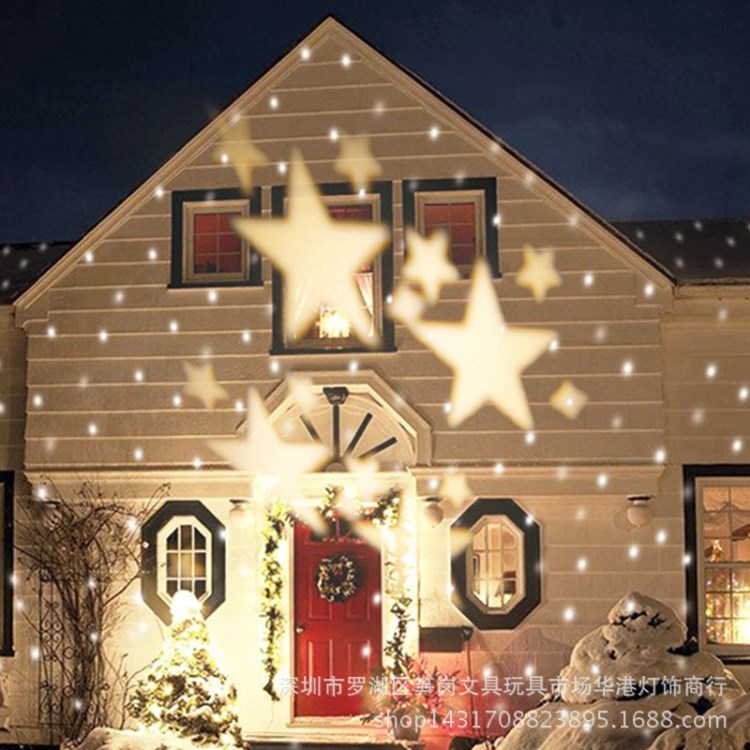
point(638, 665)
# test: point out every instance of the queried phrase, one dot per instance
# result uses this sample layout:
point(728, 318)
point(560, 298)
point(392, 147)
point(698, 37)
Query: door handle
point(299, 629)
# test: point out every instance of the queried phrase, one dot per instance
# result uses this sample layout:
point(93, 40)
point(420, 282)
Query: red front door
point(334, 641)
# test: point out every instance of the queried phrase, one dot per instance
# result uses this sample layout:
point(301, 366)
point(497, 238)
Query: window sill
point(284, 352)
point(214, 284)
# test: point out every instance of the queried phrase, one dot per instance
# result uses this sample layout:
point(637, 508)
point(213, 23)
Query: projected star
point(568, 400)
point(301, 391)
point(454, 488)
point(202, 384)
point(237, 148)
point(318, 256)
point(427, 263)
point(356, 162)
point(486, 355)
point(538, 273)
point(261, 450)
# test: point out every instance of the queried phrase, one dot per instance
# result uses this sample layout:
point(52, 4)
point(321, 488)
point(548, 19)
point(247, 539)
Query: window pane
point(717, 579)
point(186, 565)
point(715, 498)
point(172, 587)
point(172, 571)
point(462, 213)
point(216, 246)
point(172, 540)
point(199, 568)
point(459, 219)
point(200, 540)
point(230, 263)
point(718, 631)
point(740, 579)
point(740, 498)
point(186, 536)
point(200, 588)
point(436, 215)
point(205, 223)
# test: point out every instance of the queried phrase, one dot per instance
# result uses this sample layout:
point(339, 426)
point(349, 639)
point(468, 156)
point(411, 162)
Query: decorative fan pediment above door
point(357, 415)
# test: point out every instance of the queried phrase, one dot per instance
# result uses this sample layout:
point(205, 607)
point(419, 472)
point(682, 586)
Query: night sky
point(640, 109)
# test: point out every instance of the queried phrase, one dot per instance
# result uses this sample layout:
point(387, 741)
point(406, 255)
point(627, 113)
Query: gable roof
point(446, 111)
point(22, 264)
point(696, 251)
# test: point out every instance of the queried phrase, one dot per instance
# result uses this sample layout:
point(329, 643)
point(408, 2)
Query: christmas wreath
point(337, 578)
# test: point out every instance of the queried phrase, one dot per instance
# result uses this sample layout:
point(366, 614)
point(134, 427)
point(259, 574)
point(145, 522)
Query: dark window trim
point(7, 478)
point(690, 474)
point(486, 184)
point(149, 557)
point(532, 550)
point(385, 190)
point(179, 198)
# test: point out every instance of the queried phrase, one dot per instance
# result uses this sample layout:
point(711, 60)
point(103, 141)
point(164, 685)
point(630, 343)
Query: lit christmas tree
point(184, 691)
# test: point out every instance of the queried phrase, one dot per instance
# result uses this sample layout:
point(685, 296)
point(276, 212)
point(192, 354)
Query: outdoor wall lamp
point(639, 512)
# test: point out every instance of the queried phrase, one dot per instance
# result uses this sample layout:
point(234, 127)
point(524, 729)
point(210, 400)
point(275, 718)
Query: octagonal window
point(497, 576)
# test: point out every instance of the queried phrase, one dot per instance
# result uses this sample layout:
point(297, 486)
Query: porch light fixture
point(639, 512)
point(238, 511)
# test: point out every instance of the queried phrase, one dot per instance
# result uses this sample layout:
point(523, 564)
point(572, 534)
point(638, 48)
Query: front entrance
point(337, 643)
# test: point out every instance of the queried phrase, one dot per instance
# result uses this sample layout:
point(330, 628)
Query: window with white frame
point(212, 250)
point(461, 215)
point(184, 558)
point(724, 550)
point(331, 329)
point(495, 564)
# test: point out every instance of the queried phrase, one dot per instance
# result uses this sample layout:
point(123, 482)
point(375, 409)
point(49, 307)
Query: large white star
point(486, 355)
point(317, 255)
point(261, 450)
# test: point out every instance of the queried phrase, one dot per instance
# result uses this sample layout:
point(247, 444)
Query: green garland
point(386, 512)
point(394, 646)
point(277, 519)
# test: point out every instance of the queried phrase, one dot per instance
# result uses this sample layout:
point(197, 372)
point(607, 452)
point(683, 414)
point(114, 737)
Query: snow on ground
point(104, 738)
point(628, 663)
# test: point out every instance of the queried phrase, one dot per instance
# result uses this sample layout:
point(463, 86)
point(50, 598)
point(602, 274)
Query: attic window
point(464, 209)
point(461, 216)
point(206, 250)
point(330, 331)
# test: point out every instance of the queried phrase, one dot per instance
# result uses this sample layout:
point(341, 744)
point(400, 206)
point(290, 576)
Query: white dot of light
point(212, 296)
point(51, 331)
point(333, 134)
point(561, 473)
point(661, 536)
point(698, 416)
point(447, 406)
point(499, 467)
point(434, 484)
point(737, 445)
point(722, 314)
point(225, 158)
point(588, 279)
point(138, 454)
point(37, 400)
point(434, 132)
point(93, 429)
point(305, 53)
point(159, 191)
point(176, 400)
point(119, 297)
point(530, 437)
point(376, 598)
point(743, 393)
point(496, 219)
point(2, 408)
point(554, 345)
point(153, 253)
point(573, 220)
point(274, 102)
point(582, 564)
point(174, 326)
point(353, 366)
point(633, 552)
point(581, 514)
point(529, 670)
point(529, 520)
point(379, 108)
point(282, 167)
point(600, 334)
point(138, 376)
point(103, 336)
point(247, 337)
point(366, 650)
point(711, 371)
point(660, 455)
point(239, 406)
point(687, 559)
point(602, 480)
point(648, 290)
point(274, 366)
point(89, 257)
point(569, 614)
point(35, 653)
point(197, 463)
point(346, 60)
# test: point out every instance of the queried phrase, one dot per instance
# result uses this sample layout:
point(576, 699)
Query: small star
point(568, 400)
point(318, 256)
point(406, 306)
point(427, 263)
point(538, 273)
point(486, 355)
point(202, 384)
point(356, 162)
point(261, 450)
point(237, 148)
point(454, 488)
